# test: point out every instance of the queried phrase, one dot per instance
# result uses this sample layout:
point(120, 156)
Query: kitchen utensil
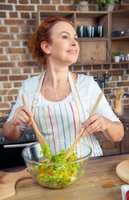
point(72, 147)
point(122, 170)
point(8, 181)
point(39, 135)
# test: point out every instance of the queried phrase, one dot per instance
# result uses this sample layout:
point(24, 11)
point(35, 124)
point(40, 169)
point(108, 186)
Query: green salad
point(55, 171)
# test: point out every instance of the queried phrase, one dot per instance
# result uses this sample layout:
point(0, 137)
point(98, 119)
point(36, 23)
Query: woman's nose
point(74, 43)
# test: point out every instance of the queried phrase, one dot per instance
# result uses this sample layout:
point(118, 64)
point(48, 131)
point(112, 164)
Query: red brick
point(4, 44)
point(16, 71)
point(8, 98)
point(67, 1)
point(4, 71)
point(46, 7)
point(13, 14)
point(7, 84)
point(16, 50)
point(27, 70)
point(3, 29)
point(35, 1)
point(13, 92)
point(2, 14)
point(37, 70)
point(14, 29)
point(12, 1)
point(7, 64)
point(25, 15)
point(6, 37)
point(34, 15)
point(23, 36)
point(3, 78)
point(23, 1)
point(45, 1)
point(14, 21)
point(25, 29)
point(26, 63)
point(17, 84)
point(15, 43)
point(1, 50)
point(31, 22)
point(6, 7)
point(3, 58)
point(56, 1)
point(25, 7)
point(65, 8)
point(3, 92)
point(4, 105)
point(14, 57)
point(18, 77)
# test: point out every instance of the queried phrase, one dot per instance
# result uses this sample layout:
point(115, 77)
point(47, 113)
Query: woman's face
point(64, 47)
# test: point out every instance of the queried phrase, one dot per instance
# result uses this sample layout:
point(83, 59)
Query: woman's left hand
point(95, 123)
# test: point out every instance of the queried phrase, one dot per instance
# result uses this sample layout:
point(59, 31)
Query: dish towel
point(124, 190)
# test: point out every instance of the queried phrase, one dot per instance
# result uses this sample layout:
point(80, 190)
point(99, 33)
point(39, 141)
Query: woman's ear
point(45, 47)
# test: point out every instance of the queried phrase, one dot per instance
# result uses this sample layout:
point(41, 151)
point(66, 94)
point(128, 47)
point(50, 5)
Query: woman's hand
point(21, 116)
point(96, 123)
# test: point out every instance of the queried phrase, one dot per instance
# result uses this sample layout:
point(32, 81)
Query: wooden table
point(100, 183)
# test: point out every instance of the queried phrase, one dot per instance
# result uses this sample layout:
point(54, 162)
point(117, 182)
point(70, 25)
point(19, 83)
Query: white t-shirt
point(59, 121)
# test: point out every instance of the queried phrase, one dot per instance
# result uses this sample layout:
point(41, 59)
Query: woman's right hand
point(21, 116)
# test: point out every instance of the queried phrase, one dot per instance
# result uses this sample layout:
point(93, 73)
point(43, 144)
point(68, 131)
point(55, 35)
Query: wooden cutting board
point(122, 170)
point(8, 181)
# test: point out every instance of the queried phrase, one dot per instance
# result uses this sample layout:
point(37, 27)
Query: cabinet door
point(93, 52)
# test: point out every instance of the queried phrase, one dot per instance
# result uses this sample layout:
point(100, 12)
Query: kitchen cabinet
point(120, 28)
point(95, 29)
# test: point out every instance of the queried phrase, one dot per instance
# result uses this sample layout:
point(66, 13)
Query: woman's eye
point(64, 36)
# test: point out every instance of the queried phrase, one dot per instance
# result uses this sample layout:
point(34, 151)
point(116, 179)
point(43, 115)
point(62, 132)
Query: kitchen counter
point(100, 183)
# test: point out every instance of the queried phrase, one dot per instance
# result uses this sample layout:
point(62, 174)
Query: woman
point(61, 101)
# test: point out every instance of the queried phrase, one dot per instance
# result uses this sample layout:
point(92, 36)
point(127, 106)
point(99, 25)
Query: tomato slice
point(127, 195)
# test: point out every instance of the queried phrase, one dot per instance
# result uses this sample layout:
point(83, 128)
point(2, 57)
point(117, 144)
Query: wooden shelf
point(121, 38)
point(93, 39)
point(121, 62)
point(91, 63)
point(92, 14)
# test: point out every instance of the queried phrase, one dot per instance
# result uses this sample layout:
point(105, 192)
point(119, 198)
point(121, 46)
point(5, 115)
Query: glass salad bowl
point(57, 171)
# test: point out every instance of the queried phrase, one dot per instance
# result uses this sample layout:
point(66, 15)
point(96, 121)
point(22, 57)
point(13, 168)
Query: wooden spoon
point(72, 147)
point(39, 135)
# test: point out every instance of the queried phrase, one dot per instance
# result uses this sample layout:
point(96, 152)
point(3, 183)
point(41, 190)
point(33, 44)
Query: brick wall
point(17, 21)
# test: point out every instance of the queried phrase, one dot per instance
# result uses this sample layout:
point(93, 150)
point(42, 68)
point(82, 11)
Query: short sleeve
point(104, 107)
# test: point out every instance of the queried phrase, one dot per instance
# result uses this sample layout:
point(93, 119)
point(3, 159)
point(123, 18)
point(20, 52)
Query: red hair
point(43, 33)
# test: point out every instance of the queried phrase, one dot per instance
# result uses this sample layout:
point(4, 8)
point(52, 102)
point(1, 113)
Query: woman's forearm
point(115, 131)
point(11, 131)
